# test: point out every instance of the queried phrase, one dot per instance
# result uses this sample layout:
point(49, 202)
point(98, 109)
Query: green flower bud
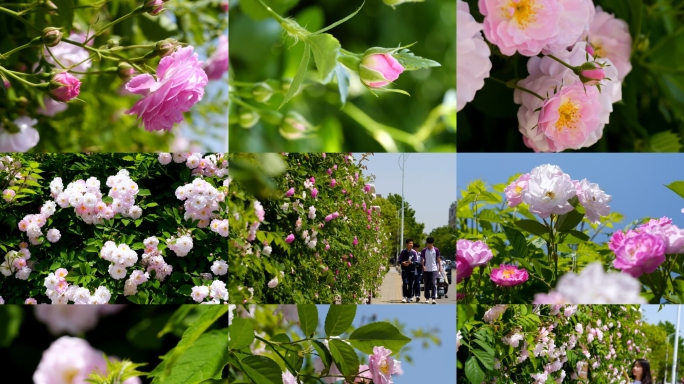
point(124, 70)
point(262, 92)
point(248, 118)
point(294, 126)
point(165, 47)
point(51, 36)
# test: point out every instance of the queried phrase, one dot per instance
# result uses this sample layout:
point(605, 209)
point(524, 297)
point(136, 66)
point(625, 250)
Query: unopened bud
point(112, 43)
point(591, 73)
point(154, 7)
point(124, 70)
point(262, 92)
point(248, 118)
point(51, 36)
point(165, 47)
point(294, 126)
point(64, 87)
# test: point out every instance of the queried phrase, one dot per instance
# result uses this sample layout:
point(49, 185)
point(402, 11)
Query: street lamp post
point(667, 353)
point(402, 162)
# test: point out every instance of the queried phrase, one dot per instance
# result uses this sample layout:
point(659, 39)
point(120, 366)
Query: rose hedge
point(541, 344)
point(264, 268)
point(78, 249)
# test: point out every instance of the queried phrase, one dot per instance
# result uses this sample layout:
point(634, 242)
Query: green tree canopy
point(412, 228)
point(445, 240)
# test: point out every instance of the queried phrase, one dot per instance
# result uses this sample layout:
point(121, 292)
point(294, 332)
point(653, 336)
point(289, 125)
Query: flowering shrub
point(554, 70)
point(539, 246)
point(71, 75)
point(79, 344)
point(549, 343)
point(286, 105)
point(318, 238)
point(134, 239)
point(273, 356)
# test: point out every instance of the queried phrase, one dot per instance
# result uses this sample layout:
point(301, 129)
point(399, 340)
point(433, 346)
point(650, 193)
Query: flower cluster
point(547, 190)
point(209, 165)
point(201, 200)
point(121, 257)
point(585, 55)
point(131, 285)
point(180, 245)
point(153, 259)
point(643, 249)
point(17, 262)
point(32, 224)
point(216, 291)
point(60, 292)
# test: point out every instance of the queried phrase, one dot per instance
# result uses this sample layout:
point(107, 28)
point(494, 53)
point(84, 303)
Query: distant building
point(378, 195)
point(452, 215)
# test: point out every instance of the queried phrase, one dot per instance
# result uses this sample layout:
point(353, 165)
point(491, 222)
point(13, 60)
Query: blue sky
point(437, 364)
point(429, 184)
point(636, 181)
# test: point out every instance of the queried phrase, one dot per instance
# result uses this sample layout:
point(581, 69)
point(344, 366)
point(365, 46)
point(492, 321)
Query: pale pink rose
point(179, 85)
point(494, 313)
point(548, 77)
point(528, 26)
point(69, 54)
point(381, 63)
point(609, 38)
point(473, 64)
point(64, 87)
point(639, 253)
point(570, 117)
point(288, 378)
point(381, 365)
point(548, 191)
point(514, 190)
point(52, 107)
point(594, 200)
point(476, 253)
point(26, 138)
point(217, 64)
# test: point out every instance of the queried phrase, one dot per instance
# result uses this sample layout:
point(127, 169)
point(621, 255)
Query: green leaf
point(677, 187)
point(345, 357)
point(342, 82)
point(326, 49)
point(485, 358)
point(569, 220)
point(308, 318)
point(10, 322)
point(579, 235)
point(292, 353)
point(240, 333)
point(144, 192)
point(322, 352)
point(299, 77)
point(339, 319)
point(380, 334)
point(203, 360)
point(532, 226)
point(176, 319)
point(474, 373)
point(411, 62)
point(194, 331)
point(517, 240)
point(65, 14)
point(666, 142)
point(262, 370)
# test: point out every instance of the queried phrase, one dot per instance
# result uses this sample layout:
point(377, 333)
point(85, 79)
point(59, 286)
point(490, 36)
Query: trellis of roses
point(347, 261)
point(540, 344)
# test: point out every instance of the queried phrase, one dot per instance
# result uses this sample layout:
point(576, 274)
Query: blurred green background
point(260, 50)
point(650, 117)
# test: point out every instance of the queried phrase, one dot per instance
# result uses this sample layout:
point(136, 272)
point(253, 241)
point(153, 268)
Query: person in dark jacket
point(407, 271)
point(432, 267)
point(418, 272)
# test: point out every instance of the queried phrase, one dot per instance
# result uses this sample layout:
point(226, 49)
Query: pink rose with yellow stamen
point(508, 275)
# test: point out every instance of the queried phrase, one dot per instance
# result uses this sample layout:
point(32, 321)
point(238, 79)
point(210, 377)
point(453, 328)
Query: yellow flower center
point(518, 189)
point(568, 115)
point(384, 368)
point(507, 273)
point(550, 195)
point(69, 375)
point(523, 11)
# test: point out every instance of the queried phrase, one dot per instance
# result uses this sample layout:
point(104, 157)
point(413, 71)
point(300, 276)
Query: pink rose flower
point(382, 366)
point(514, 190)
point(476, 253)
point(356, 241)
point(329, 171)
point(528, 26)
point(217, 64)
point(64, 87)
point(508, 275)
point(290, 238)
point(382, 64)
point(22, 140)
point(639, 253)
point(463, 269)
point(333, 182)
point(473, 64)
point(314, 193)
point(328, 218)
point(570, 117)
point(290, 192)
point(179, 85)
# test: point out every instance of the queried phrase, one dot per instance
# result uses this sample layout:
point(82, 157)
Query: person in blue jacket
point(432, 267)
point(407, 274)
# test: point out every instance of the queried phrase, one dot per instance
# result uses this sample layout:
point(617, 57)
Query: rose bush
point(554, 75)
point(318, 236)
point(89, 228)
point(534, 239)
point(72, 73)
point(549, 343)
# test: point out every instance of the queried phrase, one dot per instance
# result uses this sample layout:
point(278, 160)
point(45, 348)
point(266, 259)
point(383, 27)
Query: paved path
point(390, 291)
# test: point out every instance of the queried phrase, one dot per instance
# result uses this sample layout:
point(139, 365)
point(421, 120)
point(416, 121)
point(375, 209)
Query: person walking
point(432, 267)
point(418, 273)
point(407, 273)
point(641, 373)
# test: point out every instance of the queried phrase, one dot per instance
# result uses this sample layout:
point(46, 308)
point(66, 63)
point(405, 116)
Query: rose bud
point(154, 7)
point(379, 69)
point(591, 73)
point(64, 87)
point(51, 36)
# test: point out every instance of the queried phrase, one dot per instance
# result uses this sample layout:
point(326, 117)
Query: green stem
point(380, 131)
point(562, 62)
point(9, 73)
point(136, 11)
point(292, 370)
point(271, 12)
point(515, 86)
point(6, 55)
point(18, 17)
point(99, 52)
point(54, 58)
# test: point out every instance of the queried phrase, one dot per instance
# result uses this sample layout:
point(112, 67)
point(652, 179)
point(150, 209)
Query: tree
point(669, 328)
point(445, 240)
point(412, 229)
point(392, 221)
point(656, 335)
